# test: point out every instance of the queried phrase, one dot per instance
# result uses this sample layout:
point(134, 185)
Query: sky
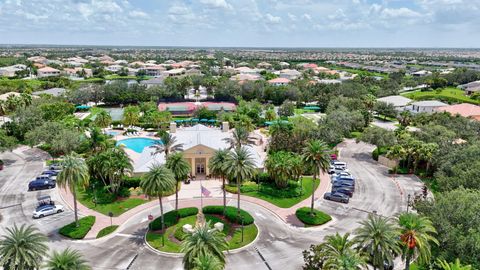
point(242, 23)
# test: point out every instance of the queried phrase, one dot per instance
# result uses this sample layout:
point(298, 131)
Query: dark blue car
point(50, 172)
point(38, 184)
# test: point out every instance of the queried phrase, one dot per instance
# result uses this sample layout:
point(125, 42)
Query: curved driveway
point(279, 245)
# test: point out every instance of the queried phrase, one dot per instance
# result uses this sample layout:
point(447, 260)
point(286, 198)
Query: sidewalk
point(102, 221)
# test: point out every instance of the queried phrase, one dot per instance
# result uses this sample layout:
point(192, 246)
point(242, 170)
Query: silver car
point(46, 210)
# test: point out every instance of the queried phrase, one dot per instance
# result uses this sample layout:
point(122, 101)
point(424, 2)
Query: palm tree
point(416, 234)
point(427, 152)
point(203, 241)
point(167, 144)
point(316, 155)
point(68, 259)
point(207, 262)
point(453, 266)
point(404, 118)
point(279, 166)
point(217, 168)
point(103, 119)
point(397, 152)
point(378, 238)
point(240, 166)
point(157, 181)
point(131, 115)
point(180, 168)
point(22, 248)
point(337, 253)
point(74, 173)
point(240, 137)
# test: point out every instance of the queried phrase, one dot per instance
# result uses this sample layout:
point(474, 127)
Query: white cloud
point(138, 14)
point(272, 19)
point(307, 17)
point(217, 4)
point(403, 12)
point(291, 16)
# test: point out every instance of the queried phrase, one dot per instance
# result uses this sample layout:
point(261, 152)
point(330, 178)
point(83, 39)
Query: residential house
point(241, 78)
point(290, 74)
point(279, 81)
point(157, 81)
point(284, 64)
point(48, 72)
point(399, 102)
point(264, 65)
point(247, 70)
point(176, 72)
point(426, 106)
point(470, 88)
point(155, 70)
point(114, 68)
point(463, 109)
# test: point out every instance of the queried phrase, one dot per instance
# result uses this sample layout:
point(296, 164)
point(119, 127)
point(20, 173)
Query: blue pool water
point(137, 144)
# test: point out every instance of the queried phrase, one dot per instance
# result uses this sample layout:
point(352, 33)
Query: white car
point(46, 210)
point(344, 173)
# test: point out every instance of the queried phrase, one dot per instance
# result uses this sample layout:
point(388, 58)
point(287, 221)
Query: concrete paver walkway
point(189, 196)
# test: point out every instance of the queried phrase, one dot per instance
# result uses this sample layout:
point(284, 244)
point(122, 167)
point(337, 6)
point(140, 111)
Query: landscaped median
point(74, 232)
point(310, 218)
point(106, 231)
point(174, 220)
point(283, 198)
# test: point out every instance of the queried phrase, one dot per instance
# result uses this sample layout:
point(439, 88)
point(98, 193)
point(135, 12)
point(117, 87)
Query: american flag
point(205, 191)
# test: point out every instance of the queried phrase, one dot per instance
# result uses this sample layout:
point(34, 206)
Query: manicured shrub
point(318, 217)
point(124, 192)
point(231, 189)
point(230, 214)
point(131, 182)
point(292, 190)
point(104, 197)
point(171, 218)
point(264, 178)
point(106, 231)
point(71, 231)
point(179, 234)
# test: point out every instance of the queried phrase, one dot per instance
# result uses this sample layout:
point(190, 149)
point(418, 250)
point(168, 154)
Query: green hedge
point(230, 214)
point(291, 191)
point(131, 182)
point(318, 218)
point(71, 231)
point(171, 218)
point(106, 231)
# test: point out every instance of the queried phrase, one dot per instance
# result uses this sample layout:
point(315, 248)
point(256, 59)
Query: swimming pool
point(137, 144)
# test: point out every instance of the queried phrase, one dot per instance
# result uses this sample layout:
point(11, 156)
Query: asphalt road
point(279, 245)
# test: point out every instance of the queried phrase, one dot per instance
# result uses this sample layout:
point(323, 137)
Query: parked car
point(55, 167)
point(343, 185)
point(342, 174)
point(344, 190)
point(50, 173)
point(337, 197)
point(341, 180)
point(47, 210)
point(340, 164)
point(41, 184)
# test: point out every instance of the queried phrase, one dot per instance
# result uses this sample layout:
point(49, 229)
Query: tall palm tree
point(338, 254)
point(397, 152)
point(167, 144)
point(103, 119)
point(453, 266)
point(157, 181)
point(68, 259)
point(217, 168)
point(416, 235)
point(316, 155)
point(240, 166)
point(427, 152)
point(203, 241)
point(22, 248)
point(180, 168)
point(74, 173)
point(279, 166)
point(377, 237)
point(240, 137)
point(207, 262)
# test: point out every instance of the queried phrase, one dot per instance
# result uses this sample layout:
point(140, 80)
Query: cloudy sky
point(237, 23)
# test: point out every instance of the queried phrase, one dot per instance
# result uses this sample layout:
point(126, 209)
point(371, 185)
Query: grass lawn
point(286, 202)
point(74, 232)
point(451, 94)
point(117, 208)
point(302, 111)
point(106, 231)
point(318, 218)
point(175, 231)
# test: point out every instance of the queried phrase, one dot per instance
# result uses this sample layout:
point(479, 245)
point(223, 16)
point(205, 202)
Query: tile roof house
point(279, 81)
point(464, 109)
point(48, 72)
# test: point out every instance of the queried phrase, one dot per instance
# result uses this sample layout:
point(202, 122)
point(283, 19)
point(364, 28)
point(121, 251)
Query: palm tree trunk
point(407, 262)
point(428, 168)
point(238, 198)
point(313, 192)
point(161, 211)
point(75, 205)
point(176, 196)
point(224, 196)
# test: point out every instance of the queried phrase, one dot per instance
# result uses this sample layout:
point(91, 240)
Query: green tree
point(416, 235)
point(167, 144)
point(73, 174)
point(217, 168)
point(203, 241)
point(379, 137)
point(103, 119)
point(240, 166)
point(427, 152)
point(131, 115)
point(210, 262)
point(377, 237)
point(240, 137)
point(6, 142)
point(316, 155)
point(156, 182)
point(67, 259)
point(111, 166)
point(280, 168)
point(270, 115)
point(385, 109)
point(180, 168)
point(22, 248)
point(287, 109)
point(404, 118)
point(397, 152)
